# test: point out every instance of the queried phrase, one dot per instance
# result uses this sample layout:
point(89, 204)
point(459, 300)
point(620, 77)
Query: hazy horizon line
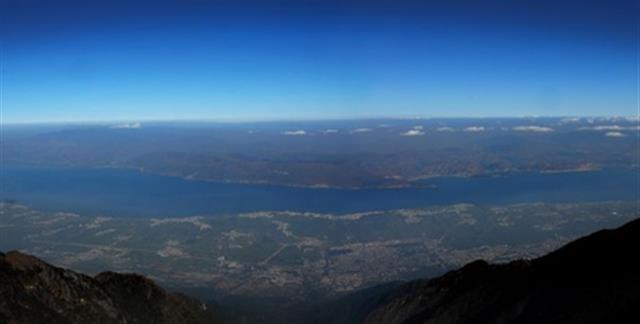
point(225, 120)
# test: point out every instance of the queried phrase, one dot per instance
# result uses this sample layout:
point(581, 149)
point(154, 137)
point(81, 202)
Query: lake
point(130, 193)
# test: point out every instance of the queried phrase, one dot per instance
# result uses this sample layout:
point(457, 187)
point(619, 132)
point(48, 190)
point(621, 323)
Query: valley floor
point(292, 257)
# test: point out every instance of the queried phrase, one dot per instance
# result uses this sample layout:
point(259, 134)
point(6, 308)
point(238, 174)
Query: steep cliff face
point(32, 291)
point(595, 279)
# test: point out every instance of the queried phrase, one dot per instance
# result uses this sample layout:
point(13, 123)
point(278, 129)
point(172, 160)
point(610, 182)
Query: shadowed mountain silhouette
point(32, 291)
point(595, 279)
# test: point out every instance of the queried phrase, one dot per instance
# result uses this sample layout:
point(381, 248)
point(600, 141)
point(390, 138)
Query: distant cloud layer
point(127, 126)
point(610, 128)
point(614, 134)
point(299, 132)
point(360, 130)
point(570, 120)
point(533, 128)
point(413, 132)
point(445, 129)
point(330, 131)
point(474, 129)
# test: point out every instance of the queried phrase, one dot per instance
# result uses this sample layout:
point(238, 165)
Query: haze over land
point(288, 258)
point(554, 287)
point(343, 154)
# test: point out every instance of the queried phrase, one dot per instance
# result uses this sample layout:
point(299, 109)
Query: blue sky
point(245, 60)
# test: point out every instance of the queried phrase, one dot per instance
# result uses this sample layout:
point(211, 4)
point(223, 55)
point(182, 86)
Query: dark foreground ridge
point(595, 279)
point(32, 291)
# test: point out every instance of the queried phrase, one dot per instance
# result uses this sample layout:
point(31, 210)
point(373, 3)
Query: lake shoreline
point(129, 192)
point(411, 183)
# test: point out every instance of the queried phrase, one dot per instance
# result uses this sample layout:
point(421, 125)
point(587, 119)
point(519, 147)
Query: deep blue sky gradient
point(135, 60)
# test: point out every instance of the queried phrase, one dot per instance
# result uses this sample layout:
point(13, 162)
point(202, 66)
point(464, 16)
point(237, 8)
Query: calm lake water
point(129, 193)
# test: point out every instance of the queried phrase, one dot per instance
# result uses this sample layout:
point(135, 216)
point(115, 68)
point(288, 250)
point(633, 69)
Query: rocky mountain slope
point(32, 291)
point(595, 279)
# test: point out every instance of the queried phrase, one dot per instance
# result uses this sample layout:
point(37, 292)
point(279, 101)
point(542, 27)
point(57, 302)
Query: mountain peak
point(21, 261)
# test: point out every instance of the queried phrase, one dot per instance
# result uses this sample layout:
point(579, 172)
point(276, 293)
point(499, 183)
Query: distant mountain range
point(345, 154)
point(595, 279)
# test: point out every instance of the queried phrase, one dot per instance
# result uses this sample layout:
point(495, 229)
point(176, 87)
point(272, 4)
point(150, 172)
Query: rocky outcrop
point(32, 291)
